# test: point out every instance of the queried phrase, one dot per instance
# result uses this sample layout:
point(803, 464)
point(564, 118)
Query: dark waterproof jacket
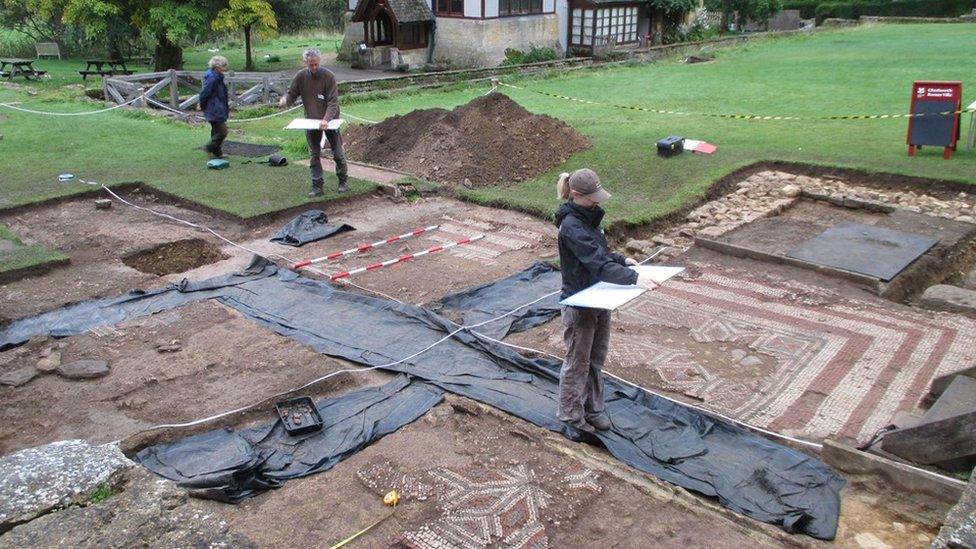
point(213, 97)
point(584, 256)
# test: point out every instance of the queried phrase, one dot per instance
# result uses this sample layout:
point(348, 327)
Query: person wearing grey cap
point(585, 259)
point(317, 88)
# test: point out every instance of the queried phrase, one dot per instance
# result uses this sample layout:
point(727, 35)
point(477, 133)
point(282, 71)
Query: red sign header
point(938, 91)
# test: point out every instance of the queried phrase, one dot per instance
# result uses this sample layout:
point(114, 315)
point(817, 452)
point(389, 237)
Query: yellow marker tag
point(391, 498)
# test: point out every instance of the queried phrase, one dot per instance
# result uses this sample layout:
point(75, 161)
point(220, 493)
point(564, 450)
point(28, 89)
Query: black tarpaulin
point(81, 317)
point(493, 299)
point(232, 465)
point(308, 227)
point(681, 445)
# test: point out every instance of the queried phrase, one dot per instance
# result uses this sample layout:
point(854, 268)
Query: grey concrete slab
point(866, 249)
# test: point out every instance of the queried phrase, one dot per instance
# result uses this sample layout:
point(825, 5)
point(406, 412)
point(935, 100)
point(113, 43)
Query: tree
point(168, 22)
point(250, 15)
point(748, 10)
point(663, 11)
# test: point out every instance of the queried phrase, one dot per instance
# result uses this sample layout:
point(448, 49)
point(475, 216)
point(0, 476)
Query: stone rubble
point(84, 369)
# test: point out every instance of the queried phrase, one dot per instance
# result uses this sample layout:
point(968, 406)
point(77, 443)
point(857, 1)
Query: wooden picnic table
point(19, 67)
point(115, 66)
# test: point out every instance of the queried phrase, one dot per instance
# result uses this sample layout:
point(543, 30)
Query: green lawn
point(856, 71)
point(866, 70)
point(14, 254)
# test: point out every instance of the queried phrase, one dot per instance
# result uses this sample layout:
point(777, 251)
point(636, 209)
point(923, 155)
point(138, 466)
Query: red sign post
point(936, 110)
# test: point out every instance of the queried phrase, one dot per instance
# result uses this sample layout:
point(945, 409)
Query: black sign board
point(938, 104)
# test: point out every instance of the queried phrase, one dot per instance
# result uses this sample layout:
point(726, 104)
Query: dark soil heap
point(488, 141)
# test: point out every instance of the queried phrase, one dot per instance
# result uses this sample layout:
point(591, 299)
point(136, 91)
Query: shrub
point(897, 8)
point(534, 55)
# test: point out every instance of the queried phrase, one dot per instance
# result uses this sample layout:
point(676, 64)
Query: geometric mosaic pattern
point(843, 367)
point(498, 238)
point(484, 507)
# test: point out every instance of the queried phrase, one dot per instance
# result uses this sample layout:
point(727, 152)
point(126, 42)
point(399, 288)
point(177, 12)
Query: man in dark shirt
point(317, 88)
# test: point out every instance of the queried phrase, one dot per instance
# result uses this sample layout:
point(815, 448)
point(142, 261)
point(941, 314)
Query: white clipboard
point(313, 124)
point(604, 295)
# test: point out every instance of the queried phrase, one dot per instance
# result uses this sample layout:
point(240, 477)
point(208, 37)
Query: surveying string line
point(422, 351)
point(185, 222)
point(738, 116)
point(445, 338)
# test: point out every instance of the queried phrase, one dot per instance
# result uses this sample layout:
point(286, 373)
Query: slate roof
point(405, 11)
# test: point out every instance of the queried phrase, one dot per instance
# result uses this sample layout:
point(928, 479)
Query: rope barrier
point(85, 113)
point(733, 116)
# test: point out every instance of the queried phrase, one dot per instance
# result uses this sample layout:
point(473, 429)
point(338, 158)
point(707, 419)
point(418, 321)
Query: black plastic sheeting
point(81, 317)
point(745, 472)
point(308, 227)
point(230, 466)
point(493, 299)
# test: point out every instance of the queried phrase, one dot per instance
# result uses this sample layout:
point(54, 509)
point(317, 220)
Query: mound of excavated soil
point(488, 141)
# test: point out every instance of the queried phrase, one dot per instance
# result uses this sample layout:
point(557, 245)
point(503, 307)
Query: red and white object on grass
point(365, 247)
point(404, 258)
point(699, 147)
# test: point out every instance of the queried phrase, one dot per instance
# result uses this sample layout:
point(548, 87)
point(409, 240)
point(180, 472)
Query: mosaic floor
point(484, 507)
point(499, 238)
point(842, 367)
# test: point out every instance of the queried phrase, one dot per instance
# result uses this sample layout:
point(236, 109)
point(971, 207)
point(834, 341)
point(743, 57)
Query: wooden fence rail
point(257, 87)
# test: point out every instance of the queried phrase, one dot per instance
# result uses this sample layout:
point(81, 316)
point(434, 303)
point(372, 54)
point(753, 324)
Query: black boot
point(343, 187)
point(316, 189)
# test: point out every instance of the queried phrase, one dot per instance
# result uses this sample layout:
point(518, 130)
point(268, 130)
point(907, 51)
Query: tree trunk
point(168, 54)
point(657, 27)
point(248, 62)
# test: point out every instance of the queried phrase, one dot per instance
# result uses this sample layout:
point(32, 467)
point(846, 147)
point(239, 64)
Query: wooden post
point(266, 91)
point(174, 89)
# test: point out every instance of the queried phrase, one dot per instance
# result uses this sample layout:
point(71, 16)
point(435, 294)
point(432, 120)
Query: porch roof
point(405, 11)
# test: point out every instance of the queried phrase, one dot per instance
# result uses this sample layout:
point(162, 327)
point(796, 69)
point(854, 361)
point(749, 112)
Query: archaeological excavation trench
point(808, 347)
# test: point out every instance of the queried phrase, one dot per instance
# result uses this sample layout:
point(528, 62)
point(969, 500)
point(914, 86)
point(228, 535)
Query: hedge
point(911, 8)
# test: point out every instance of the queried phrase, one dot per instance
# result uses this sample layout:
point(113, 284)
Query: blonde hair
point(217, 61)
point(562, 186)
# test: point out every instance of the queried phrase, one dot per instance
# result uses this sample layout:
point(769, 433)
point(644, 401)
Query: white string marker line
point(445, 338)
point(461, 328)
point(365, 247)
point(84, 113)
point(404, 258)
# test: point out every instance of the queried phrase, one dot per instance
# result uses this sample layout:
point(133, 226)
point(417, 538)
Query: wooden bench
point(47, 49)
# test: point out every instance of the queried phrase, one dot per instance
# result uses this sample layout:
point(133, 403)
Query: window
point(450, 7)
point(582, 34)
point(413, 35)
point(519, 7)
point(617, 25)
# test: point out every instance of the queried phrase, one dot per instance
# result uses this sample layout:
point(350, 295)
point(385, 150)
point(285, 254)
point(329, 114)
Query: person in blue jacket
point(213, 102)
point(585, 259)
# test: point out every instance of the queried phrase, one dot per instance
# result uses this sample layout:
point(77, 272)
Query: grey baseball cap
point(586, 182)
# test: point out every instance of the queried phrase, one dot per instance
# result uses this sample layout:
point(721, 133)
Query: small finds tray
point(299, 415)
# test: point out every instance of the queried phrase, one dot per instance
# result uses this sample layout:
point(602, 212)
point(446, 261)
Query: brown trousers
point(586, 333)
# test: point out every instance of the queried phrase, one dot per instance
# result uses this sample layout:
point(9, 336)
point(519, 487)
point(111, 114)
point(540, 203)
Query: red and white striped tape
point(404, 258)
point(365, 247)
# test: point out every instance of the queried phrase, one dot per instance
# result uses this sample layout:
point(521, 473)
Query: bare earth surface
point(775, 346)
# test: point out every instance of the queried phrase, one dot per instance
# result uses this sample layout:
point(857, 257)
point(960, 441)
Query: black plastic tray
point(309, 421)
